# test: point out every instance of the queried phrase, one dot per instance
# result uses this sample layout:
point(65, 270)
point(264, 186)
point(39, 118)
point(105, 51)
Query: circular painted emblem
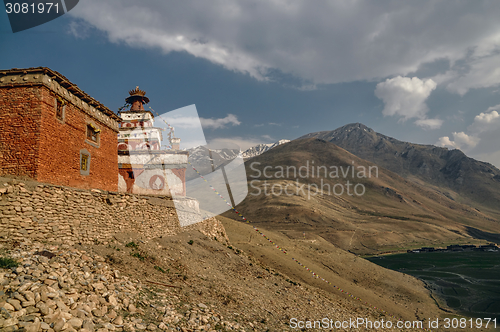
point(157, 182)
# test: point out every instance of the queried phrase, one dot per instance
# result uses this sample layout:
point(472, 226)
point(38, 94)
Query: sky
point(259, 71)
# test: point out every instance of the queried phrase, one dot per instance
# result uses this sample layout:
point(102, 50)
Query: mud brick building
point(53, 132)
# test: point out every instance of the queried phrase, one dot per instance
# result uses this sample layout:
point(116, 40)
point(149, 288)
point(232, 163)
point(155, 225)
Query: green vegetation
point(113, 247)
point(160, 269)
point(138, 255)
point(8, 262)
point(132, 245)
point(190, 242)
point(466, 281)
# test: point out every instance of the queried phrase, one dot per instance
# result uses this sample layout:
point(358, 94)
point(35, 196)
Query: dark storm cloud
point(320, 41)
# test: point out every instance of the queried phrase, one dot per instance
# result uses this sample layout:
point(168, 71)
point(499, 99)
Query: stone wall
point(54, 214)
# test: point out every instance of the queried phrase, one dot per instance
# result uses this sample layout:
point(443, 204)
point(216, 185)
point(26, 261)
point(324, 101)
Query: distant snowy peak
point(261, 148)
point(201, 154)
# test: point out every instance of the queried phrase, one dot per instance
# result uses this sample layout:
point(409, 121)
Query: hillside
point(393, 213)
point(189, 282)
point(459, 177)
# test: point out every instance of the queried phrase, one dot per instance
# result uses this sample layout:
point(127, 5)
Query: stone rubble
point(58, 289)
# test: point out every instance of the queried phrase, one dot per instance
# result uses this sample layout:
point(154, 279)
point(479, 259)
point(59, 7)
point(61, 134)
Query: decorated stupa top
point(137, 99)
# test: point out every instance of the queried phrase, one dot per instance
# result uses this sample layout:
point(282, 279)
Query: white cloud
point(485, 118)
point(446, 142)
point(323, 42)
point(220, 123)
point(488, 121)
point(405, 97)
point(490, 109)
point(481, 139)
point(79, 29)
point(461, 141)
point(429, 123)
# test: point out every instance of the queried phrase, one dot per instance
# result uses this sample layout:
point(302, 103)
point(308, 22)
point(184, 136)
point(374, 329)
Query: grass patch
point(7, 263)
point(138, 255)
point(132, 245)
point(160, 269)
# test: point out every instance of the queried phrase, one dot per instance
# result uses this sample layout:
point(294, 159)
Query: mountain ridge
point(261, 148)
point(467, 178)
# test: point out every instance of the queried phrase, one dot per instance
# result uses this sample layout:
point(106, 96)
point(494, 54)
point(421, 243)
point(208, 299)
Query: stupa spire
point(137, 98)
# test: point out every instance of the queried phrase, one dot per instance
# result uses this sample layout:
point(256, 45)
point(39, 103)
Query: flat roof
point(64, 82)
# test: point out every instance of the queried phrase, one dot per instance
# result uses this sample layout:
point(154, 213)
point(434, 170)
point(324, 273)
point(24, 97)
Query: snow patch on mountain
point(261, 148)
point(200, 155)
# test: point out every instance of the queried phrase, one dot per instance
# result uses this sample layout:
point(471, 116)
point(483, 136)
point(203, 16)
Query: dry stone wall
point(55, 214)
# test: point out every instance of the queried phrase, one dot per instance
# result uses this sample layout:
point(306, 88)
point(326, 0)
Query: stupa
point(145, 165)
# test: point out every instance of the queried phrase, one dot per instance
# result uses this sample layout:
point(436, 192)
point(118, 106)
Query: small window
point(93, 133)
point(60, 107)
point(84, 162)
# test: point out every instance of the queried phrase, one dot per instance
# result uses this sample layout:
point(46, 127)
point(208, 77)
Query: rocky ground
point(187, 282)
point(65, 289)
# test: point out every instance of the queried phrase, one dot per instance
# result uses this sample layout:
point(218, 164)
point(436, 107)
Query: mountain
point(303, 186)
point(202, 158)
point(261, 148)
point(459, 177)
point(205, 160)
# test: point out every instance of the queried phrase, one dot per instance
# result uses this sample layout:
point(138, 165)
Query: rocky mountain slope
point(460, 177)
point(188, 282)
point(293, 189)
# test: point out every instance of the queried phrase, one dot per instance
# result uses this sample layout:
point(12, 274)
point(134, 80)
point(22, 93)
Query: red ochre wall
point(126, 173)
point(20, 117)
point(181, 173)
point(49, 149)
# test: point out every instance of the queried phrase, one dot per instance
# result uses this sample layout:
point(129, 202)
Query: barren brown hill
point(457, 176)
point(392, 214)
